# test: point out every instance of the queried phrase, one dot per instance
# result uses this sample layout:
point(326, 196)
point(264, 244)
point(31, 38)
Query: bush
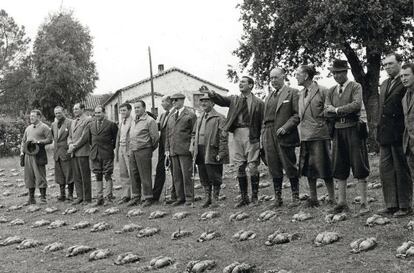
point(11, 133)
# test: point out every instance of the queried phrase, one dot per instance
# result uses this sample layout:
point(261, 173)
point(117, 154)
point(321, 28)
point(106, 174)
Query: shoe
point(31, 201)
point(178, 203)
point(310, 203)
point(243, 202)
point(170, 201)
point(77, 201)
point(331, 203)
point(124, 200)
point(147, 203)
point(363, 209)
point(339, 208)
point(99, 202)
point(402, 213)
point(387, 211)
point(134, 202)
point(189, 204)
point(61, 198)
point(69, 198)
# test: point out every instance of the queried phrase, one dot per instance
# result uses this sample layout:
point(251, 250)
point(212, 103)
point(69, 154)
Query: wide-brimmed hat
point(339, 65)
point(31, 148)
point(177, 96)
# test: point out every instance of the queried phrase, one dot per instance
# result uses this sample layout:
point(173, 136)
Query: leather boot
point(244, 200)
point(62, 196)
point(70, 191)
point(43, 195)
point(32, 199)
point(216, 195)
point(277, 185)
point(207, 192)
point(255, 188)
point(294, 186)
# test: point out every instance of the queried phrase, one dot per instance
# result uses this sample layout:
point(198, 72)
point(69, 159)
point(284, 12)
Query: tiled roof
point(91, 101)
point(160, 75)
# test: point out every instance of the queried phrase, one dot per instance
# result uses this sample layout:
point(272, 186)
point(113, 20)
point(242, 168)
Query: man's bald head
point(166, 103)
point(277, 77)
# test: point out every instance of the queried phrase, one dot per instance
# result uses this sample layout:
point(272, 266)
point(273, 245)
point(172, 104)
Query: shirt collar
point(344, 85)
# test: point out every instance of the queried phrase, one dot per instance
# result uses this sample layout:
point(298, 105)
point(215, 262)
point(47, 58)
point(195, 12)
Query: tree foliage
point(292, 32)
point(65, 71)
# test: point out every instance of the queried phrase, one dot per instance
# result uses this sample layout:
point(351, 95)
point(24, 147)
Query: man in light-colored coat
point(209, 146)
point(63, 161)
point(80, 149)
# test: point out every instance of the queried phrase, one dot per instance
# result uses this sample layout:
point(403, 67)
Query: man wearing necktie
point(343, 104)
point(63, 161)
point(79, 148)
point(394, 170)
point(160, 174)
point(210, 150)
point(280, 135)
point(314, 159)
point(177, 148)
point(103, 141)
point(121, 151)
point(244, 120)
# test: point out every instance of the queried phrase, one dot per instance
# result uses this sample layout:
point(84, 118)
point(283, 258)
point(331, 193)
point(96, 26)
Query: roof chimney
point(160, 68)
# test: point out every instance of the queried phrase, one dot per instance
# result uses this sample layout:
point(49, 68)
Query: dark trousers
point(349, 151)
point(182, 172)
point(140, 166)
point(82, 178)
point(63, 172)
point(210, 174)
point(278, 157)
point(395, 177)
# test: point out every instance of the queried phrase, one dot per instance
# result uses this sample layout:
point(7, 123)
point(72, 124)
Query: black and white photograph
point(189, 136)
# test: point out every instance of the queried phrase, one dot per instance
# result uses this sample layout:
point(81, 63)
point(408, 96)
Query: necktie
point(340, 89)
point(176, 115)
point(306, 92)
point(205, 115)
point(165, 118)
point(387, 90)
point(99, 125)
point(76, 121)
point(124, 121)
point(245, 111)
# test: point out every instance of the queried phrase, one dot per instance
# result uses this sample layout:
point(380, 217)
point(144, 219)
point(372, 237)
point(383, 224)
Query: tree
point(65, 72)
point(293, 32)
point(15, 74)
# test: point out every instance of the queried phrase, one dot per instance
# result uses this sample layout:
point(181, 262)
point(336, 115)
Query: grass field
point(297, 256)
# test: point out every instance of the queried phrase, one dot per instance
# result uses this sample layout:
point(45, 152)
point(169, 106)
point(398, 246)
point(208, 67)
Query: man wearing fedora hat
point(343, 103)
point(244, 120)
point(177, 147)
point(210, 150)
point(35, 137)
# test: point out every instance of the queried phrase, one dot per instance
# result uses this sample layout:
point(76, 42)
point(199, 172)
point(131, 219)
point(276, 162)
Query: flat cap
point(178, 96)
point(205, 97)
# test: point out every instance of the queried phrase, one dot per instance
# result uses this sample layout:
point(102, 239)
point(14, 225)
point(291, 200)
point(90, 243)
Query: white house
point(166, 82)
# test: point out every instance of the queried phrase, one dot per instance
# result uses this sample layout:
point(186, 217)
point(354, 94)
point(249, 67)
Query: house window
point(116, 112)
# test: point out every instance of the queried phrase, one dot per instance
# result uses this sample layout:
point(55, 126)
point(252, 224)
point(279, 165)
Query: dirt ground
point(297, 256)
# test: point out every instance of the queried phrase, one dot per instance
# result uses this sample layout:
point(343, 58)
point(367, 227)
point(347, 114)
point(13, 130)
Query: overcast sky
point(194, 35)
point(197, 36)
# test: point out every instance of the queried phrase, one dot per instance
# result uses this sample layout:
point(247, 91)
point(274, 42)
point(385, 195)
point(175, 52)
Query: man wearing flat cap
point(244, 120)
point(210, 149)
point(177, 146)
point(343, 103)
point(35, 137)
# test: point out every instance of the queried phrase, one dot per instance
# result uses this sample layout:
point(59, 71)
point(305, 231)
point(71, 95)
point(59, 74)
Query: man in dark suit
point(159, 181)
point(244, 120)
point(63, 161)
point(103, 140)
point(406, 192)
point(79, 148)
point(394, 171)
point(177, 144)
point(280, 135)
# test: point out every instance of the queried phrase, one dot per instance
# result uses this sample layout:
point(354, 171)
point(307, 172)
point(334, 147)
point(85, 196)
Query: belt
point(346, 120)
point(241, 126)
